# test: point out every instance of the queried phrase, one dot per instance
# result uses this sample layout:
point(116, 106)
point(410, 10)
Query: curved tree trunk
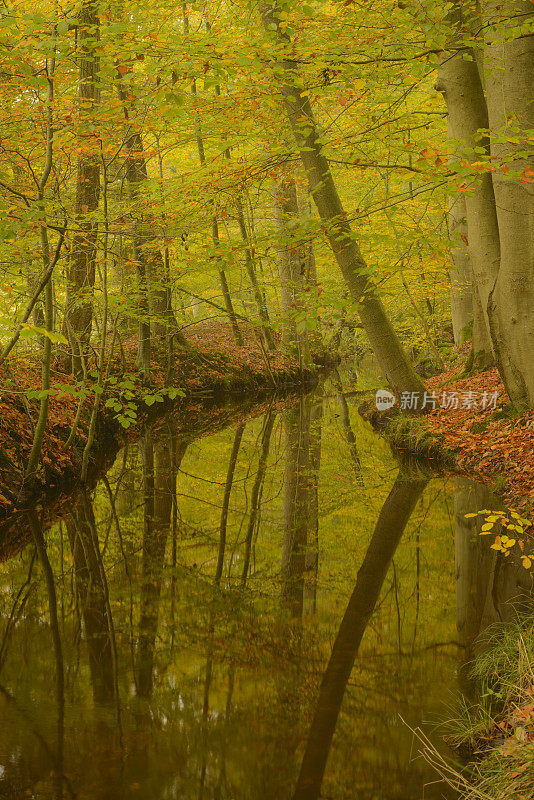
point(91, 590)
point(255, 497)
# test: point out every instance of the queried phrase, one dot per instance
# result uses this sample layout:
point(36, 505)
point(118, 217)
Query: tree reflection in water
point(208, 577)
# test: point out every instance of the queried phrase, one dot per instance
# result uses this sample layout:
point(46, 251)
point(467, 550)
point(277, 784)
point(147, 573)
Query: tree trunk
point(226, 501)
point(214, 222)
point(257, 488)
point(292, 265)
point(81, 271)
point(509, 77)
point(489, 587)
point(344, 414)
point(460, 271)
point(250, 267)
point(297, 494)
point(159, 477)
point(40, 545)
point(150, 261)
point(459, 81)
point(387, 348)
point(312, 544)
point(225, 289)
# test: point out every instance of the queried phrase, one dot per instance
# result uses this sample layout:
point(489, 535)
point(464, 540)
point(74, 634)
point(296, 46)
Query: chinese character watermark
point(448, 401)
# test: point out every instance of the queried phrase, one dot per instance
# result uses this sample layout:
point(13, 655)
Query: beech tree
point(82, 263)
point(459, 81)
point(384, 341)
point(509, 78)
point(486, 75)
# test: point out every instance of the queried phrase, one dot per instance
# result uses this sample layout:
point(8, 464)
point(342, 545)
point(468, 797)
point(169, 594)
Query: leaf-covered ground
point(488, 443)
point(215, 366)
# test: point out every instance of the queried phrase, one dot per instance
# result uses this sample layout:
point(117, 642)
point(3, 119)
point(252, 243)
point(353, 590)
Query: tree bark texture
point(82, 265)
point(509, 78)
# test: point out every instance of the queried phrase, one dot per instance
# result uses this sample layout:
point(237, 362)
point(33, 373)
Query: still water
point(259, 604)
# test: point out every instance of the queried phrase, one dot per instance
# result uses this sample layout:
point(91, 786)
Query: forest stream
point(267, 611)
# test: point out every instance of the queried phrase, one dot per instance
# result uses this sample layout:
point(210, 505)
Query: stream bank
point(472, 430)
point(213, 371)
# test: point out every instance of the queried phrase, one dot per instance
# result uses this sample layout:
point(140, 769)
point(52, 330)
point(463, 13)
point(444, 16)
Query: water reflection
point(489, 588)
point(391, 523)
point(300, 551)
point(40, 547)
point(92, 595)
point(244, 614)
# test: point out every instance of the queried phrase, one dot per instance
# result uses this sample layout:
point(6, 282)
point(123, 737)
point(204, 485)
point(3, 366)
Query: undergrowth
point(499, 727)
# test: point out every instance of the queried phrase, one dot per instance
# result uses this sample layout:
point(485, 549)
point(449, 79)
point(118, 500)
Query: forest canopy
point(333, 171)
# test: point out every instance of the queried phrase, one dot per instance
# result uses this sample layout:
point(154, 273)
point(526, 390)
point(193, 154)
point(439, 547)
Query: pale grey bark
point(460, 271)
point(509, 77)
point(459, 81)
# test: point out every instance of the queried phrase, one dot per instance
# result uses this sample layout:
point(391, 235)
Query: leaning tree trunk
point(81, 272)
point(459, 81)
point(387, 534)
point(387, 348)
point(509, 76)
point(250, 267)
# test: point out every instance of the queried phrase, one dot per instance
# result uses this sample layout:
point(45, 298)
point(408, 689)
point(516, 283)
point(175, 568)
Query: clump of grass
point(505, 662)
point(470, 723)
point(499, 724)
point(504, 775)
